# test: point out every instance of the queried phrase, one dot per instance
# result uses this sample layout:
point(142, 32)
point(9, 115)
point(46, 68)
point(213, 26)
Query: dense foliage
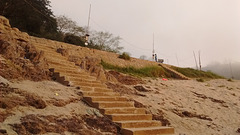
point(73, 39)
point(31, 16)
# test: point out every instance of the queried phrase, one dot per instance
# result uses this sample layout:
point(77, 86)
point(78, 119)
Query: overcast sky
point(179, 26)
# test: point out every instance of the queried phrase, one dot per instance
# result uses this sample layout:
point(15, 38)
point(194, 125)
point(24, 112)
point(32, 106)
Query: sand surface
point(195, 108)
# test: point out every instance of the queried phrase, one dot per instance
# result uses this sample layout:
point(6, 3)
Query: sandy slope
point(195, 108)
point(191, 107)
point(51, 104)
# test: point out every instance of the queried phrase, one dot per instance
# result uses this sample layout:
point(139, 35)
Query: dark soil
point(125, 79)
point(159, 117)
point(191, 115)
point(141, 88)
point(102, 123)
point(38, 124)
point(221, 102)
point(138, 104)
point(238, 130)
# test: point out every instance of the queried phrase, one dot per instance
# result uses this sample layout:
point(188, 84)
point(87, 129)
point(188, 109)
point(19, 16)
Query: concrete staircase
point(177, 74)
point(132, 120)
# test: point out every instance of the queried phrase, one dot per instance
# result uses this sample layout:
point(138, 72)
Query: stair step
point(139, 124)
point(43, 45)
point(107, 104)
point(83, 78)
point(53, 64)
point(55, 56)
point(69, 70)
point(90, 84)
point(84, 81)
point(105, 98)
point(148, 131)
point(64, 68)
point(82, 75)
point(61, 64)
point(47, 51)
point(99, 89)
point(66, 77)
point(92, 89)
point(100, 94)
point(123, 110)
point(44, 48)
point(129, 117)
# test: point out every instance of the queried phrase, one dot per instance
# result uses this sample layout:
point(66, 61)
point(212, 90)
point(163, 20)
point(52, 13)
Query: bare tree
point(106, 41)
point(68, 26)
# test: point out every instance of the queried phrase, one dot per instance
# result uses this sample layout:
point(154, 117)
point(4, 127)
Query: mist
point(228, 70)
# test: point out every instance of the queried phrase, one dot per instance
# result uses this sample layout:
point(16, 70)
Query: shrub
point(200, 80)
point(124, 56)
point(72, 39)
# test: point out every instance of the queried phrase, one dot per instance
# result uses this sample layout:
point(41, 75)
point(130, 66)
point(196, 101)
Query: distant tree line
point(36, 18)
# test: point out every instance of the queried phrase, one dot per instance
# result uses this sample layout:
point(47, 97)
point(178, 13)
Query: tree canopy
point(68, 26)
point(32, 16)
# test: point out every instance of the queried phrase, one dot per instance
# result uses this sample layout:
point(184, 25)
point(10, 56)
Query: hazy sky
point(179, 26)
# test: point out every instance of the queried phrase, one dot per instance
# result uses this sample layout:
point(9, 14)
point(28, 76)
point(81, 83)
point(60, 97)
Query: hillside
point(68, 98)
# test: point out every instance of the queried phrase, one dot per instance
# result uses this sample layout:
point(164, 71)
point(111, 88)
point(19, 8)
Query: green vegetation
point(72, 39)
point(200, 80)
point(193, 73)
point(151, 71)
point(124, 56)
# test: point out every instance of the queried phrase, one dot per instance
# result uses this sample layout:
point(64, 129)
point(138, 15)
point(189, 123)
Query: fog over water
point(179, 27)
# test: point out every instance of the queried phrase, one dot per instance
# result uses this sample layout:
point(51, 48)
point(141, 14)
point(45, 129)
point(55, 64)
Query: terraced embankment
point(132, 120)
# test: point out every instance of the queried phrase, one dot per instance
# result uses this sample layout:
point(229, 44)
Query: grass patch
point(193, 73)
point(151, 71)
point(124, 56)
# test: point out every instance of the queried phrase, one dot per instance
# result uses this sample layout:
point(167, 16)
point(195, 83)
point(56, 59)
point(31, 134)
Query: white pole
point(200, 66)
point(89, 18)
point(87, 31)
point(153, 56)
point(230, 64)
point(177, 60)
point(195, 60)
